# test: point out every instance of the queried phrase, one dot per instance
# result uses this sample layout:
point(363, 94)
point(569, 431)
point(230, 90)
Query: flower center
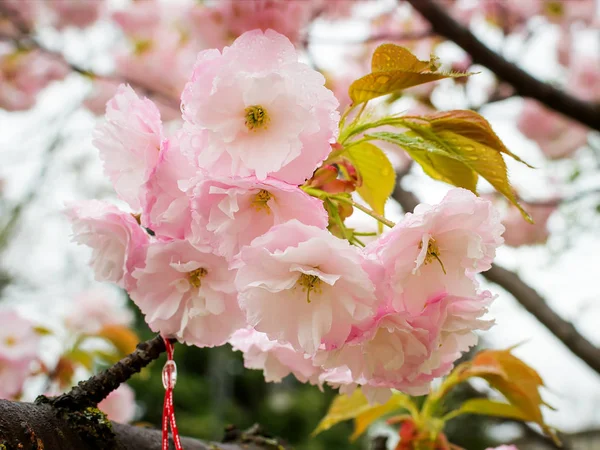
point(433, 252)
point(195, 276)
point(310, 283)
point(554, 8)
point(256, 117)
point(10, 341)
point(260, 200)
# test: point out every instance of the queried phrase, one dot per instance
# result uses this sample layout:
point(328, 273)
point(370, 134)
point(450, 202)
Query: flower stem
point(364, 209)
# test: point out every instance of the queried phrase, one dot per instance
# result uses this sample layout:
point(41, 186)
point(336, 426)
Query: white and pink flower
point(166, 206)
point(436, 250)
point(114, 237)
point(237, 210)
point(187, 292)
point(19, 346)
point(129, 142)
point(18, 339)
point(301, 285)
point(276, 360)
point(119, 406)
point(266, 113)
point(97, 307)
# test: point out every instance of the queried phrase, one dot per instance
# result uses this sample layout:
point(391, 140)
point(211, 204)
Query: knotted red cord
point(169, 378)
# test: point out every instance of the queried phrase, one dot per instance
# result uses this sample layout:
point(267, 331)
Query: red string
point(168, 409)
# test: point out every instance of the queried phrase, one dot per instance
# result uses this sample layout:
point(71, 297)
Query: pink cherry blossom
point(18, 339)
point(274, 359)
point(301, 285)
point(160, 36)
point(431, 251)
point(387, 354)
point(113, 235)
point(144, 64)
point(509, 14)
point(129, 141)
point(584, 77)
point(97, 307)
point(23, 74)
point(12, 376)
point(557, 136)
point(519, 232)
point(21, 12)
point(287, 17)
point(405, 352)
point(566, 12)
point(335, 9)
point(187, 292)
point(238, 210)
point(19, 345)
point(78, 13)
point(266, 113)
point(451, 322)
point(119, 406)
point(166, 208)
point(504, 447)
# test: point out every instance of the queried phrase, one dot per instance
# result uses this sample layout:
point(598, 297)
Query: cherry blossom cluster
point(223, 244)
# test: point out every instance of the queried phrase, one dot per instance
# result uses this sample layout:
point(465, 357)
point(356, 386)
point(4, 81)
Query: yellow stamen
point(141, 46)
point(195, 276)
point(256, 117)
point(310, 283)
point(554, 9)
point(261, 199)
point(433, 252)
point(10, 341)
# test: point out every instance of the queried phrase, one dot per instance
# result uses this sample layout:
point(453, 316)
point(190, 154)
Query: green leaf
point(395, 68)
point(377, 175)
point(485, 407)
point(467, 137)
point(435, 163)
point(356, 406)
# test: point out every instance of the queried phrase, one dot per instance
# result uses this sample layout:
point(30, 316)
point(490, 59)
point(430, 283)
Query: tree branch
point(42, 427)
point(524, 84)
point(537, 306)
point(93, 391)
point(24, 38)
point(528, 297)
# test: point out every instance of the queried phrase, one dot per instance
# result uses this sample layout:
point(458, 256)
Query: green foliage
point(505, 373)
point(356, 406)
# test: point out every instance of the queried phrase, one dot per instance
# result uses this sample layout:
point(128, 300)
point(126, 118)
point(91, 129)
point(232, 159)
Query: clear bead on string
point(169, 374)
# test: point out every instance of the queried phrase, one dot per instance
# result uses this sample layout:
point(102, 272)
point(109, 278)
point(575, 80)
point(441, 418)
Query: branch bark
point(72, 420)
point(533, 302)
point(92, 391)
point(524, 84)
point(528, 297)
point(43, 427)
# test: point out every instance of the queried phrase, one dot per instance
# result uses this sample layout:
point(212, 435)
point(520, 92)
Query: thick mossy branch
point(29, 426)
point(90, 392)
